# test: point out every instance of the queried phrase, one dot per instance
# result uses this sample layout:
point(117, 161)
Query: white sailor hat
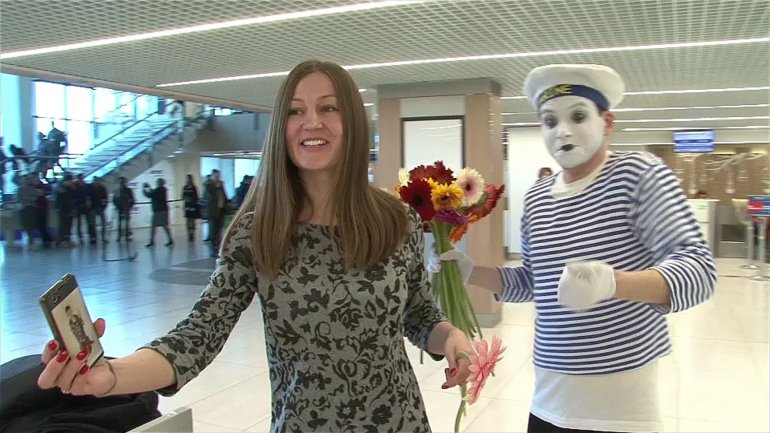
point(598, 83)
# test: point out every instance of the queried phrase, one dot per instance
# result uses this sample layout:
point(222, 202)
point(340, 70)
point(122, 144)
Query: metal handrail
point(118, 107)
point(128, 127)
point(143, 141)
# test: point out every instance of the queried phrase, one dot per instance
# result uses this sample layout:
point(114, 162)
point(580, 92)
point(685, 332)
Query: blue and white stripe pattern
point(633, 216)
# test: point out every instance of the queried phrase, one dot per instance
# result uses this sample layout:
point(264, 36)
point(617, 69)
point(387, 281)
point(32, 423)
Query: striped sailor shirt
point(632, 216)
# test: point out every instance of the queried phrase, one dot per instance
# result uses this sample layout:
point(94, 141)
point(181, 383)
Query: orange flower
point(483, 365)
point(457, 233)
point(491, 195)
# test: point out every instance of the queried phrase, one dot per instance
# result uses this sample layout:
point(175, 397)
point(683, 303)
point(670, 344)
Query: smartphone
point(67, 315)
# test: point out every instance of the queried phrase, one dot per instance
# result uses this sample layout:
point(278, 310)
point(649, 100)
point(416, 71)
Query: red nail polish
point(84, 369)
point(63, 355)
point(52, 345)
point(82, 355)
point(445, 386)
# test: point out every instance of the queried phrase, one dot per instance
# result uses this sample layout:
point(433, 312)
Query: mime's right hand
point(72, 375)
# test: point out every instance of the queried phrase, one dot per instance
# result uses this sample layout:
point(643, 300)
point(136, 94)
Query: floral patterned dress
point(335, 338)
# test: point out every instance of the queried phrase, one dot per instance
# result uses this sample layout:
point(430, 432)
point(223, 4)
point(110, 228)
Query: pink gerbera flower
point(472, 184)
point(483, 365)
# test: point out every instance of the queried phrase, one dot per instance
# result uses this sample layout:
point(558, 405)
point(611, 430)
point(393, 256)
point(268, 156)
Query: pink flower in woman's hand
point(482, 365)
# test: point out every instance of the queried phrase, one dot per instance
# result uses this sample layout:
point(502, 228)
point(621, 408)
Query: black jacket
point(26, 408)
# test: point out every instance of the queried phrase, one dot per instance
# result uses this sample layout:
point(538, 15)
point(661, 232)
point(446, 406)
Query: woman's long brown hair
point(371, 223)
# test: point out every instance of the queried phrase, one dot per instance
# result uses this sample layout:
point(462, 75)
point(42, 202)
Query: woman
point(159, 202)
point(337, 266)
point(191, 210)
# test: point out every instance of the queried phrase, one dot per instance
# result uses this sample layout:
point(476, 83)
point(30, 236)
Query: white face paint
point(572, 128)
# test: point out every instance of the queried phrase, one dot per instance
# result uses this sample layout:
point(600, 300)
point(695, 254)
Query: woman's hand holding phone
point(70, 372)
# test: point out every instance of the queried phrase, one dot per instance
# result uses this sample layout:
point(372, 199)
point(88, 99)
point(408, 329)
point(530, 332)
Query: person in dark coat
point(191, 208)
point(99, 200)
point(84, 209)
point(216, 205)
point(65, 207)
point(123, 199)
point(159, 199)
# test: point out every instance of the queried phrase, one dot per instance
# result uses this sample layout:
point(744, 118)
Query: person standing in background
point(65, 207)
point(99, 197)
point(123, 199)
point(27, 195)
point(216, 206)
point(544, 173)
point(84, 209)
point(191, 206)
point(243, 188)
point(159, 202)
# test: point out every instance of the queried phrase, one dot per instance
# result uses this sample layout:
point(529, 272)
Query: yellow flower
point(403, 177)
point(445, 196)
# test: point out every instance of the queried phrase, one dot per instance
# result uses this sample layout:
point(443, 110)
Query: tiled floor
point(716, 380)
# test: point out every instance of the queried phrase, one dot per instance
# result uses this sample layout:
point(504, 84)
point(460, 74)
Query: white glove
point(464, 263)
point(583, 284)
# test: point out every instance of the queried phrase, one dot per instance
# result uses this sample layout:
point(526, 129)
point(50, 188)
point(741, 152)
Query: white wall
point(426, 141)
point(526, 154)
point(433, 106)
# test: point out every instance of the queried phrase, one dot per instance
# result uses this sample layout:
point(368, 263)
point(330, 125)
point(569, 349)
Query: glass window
point(146, 105)
point(43, 124)
point(245, 167)
point(126, 105)
point(49, 100)
point(104, 103)
point(78, 137)
point(80, 103)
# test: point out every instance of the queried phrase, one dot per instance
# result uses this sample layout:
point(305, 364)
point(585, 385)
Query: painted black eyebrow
point(571, 106)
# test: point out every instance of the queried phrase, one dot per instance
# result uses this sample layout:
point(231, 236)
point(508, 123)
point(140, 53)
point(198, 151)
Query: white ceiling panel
point(415, 31)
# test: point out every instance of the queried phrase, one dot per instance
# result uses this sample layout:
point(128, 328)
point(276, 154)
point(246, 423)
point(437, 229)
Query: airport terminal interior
point(149, 90)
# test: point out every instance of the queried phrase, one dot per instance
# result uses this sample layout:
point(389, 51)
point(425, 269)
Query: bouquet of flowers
point(447, 206)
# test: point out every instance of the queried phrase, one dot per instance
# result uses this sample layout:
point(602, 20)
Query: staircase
point(137, 148)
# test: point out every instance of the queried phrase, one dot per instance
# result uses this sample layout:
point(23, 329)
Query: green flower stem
point(448, 286)
point(461, 409)
point(463, 393)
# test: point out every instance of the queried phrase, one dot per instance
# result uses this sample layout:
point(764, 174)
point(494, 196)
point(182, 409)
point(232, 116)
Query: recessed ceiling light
point(679, 128)
point(616, 110)
point(722, 90)
point(695, 119)
point(499, 56)
point(672, 92)
point(210, 26)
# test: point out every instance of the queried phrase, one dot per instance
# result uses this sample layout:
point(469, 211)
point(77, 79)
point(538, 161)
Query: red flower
point(438, 172)
point(417, 194)
point(483, 365)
